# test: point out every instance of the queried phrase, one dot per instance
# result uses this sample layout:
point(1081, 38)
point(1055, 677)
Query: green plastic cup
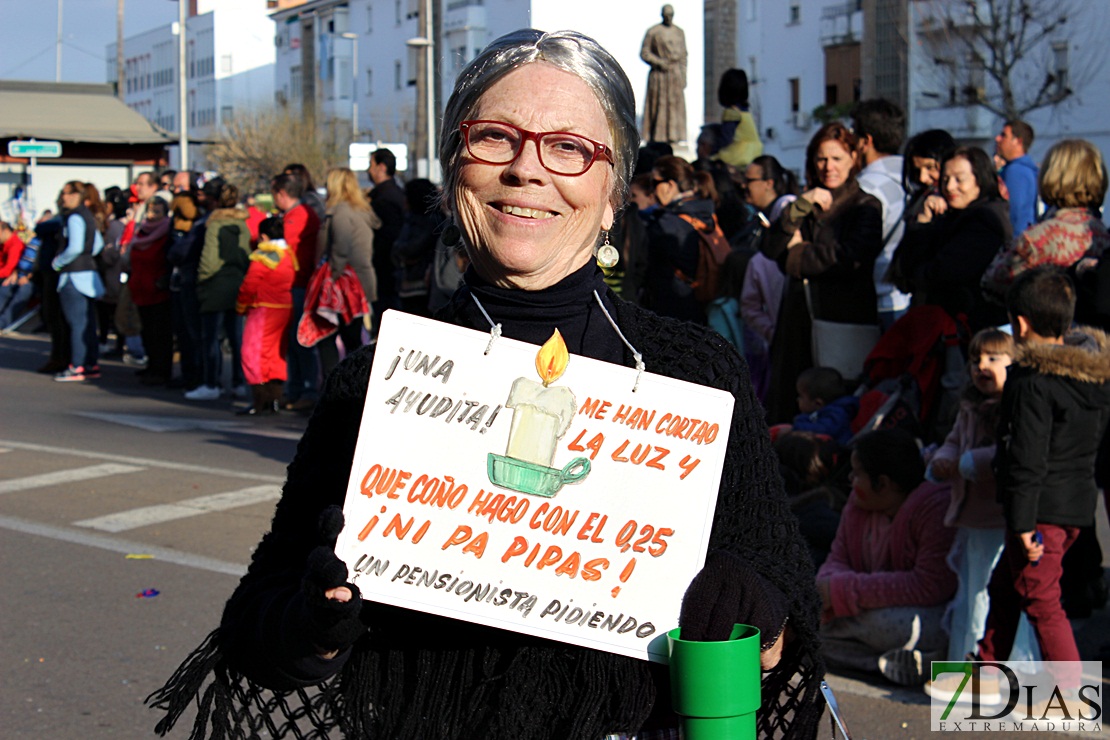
point(715, 685)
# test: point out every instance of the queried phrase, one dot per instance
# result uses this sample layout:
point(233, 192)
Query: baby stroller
point(918, 366)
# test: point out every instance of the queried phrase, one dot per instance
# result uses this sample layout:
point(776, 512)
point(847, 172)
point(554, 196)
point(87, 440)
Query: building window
point(369, 18)
point(795, 94)
point(397, 14)
point(296, 89)
point(830, 95)
point(369, 82)
point(1060, 65)
point(226, 114)
point(225, 64)
point(397, 76)
point(794, 15)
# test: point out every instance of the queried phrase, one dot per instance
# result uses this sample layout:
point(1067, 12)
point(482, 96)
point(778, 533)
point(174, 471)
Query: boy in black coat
point(1054, 411)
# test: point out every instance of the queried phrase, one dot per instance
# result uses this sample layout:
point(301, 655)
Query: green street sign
point(44, 149)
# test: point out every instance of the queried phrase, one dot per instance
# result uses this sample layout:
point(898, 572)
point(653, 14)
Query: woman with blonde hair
point(347, 238)
point(1072, 183)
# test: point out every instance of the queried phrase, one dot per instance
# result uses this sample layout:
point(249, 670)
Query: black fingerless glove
point(728, 591)
point(313, 623)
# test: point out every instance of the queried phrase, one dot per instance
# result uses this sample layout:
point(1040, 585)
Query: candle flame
point(552, 359)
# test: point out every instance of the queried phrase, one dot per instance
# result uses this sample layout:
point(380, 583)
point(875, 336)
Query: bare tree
point(254, 146)
point(1015, 52)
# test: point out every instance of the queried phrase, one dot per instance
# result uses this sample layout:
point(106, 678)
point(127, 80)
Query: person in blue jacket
point(826, 408)
point(1019, 172)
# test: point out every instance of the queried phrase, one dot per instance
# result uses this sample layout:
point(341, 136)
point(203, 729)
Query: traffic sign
point(42, 149)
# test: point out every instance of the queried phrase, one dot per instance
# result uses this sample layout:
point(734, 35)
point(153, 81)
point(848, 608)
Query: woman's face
point(834, 164)
point(69, 198)
point(760, 191)
point(526, 227)
point(665, 190)
point(928, 170)
point(959, 185)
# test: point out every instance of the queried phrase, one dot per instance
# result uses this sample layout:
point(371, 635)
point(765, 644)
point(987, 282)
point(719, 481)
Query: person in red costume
point(266, 297)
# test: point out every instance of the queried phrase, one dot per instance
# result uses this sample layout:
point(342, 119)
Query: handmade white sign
point(529, 490)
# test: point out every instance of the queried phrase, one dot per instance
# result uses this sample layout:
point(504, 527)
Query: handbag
point(843, 347)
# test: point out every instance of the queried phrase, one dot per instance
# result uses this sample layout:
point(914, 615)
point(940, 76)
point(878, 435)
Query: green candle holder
point(715, 686)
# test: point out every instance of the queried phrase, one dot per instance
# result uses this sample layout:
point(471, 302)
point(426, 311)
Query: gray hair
point(569, 51)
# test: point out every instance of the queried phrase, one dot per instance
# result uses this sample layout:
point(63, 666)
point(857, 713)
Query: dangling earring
point(607, 254)
point(451, 235)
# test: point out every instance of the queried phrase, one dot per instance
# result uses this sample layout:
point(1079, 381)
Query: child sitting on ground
point(266, 297)
point(964, 460)
point(885, 583)
point(826, 408)
point(1053, 413)
point(807, 462)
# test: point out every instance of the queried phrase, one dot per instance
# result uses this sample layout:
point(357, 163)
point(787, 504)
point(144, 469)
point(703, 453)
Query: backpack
point(713, 248)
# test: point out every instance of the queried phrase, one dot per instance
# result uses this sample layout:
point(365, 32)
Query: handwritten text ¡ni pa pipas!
point(395, 487)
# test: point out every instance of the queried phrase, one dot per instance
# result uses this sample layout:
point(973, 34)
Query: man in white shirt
point(880, 127)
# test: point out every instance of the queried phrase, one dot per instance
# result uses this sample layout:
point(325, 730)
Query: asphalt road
point(110, 490)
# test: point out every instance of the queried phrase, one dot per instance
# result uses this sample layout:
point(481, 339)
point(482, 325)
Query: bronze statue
point(664, 48)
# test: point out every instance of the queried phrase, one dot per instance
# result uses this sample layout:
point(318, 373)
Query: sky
point(88, 26)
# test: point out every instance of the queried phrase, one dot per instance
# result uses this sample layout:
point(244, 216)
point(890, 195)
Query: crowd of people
point(935, 476)
point(914, 272)
point(179, 271)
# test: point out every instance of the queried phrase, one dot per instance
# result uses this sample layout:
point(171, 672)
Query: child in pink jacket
point(885, 583)
point(965, 461)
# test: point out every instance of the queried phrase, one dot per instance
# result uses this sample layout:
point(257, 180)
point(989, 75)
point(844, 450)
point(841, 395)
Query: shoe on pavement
point(946, 686)
point(52, 368)
point(301, 404)
point(93, 372)
point(203, 393)
point(71, 375)
point(904, 667)
point(241, 392)
point(133, 361)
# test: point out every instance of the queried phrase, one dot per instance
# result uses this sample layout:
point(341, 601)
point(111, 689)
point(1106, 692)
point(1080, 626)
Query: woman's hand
point(934, 206)
point(770, 657)
point(819, 197)
point(326, 612)
point(795, 239)
point(726, 592)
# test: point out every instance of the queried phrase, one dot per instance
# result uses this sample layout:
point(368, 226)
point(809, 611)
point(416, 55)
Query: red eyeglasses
point(560, 152)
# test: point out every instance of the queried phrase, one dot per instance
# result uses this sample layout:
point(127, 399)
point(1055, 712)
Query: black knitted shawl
point(417, 675)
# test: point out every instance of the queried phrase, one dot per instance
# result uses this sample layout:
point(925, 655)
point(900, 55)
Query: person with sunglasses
point(532, 182)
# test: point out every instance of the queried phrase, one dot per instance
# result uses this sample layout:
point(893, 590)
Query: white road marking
point(113, 544)
point(147, 515)
point(144, 461)
point(59, 477)
point(161, 423)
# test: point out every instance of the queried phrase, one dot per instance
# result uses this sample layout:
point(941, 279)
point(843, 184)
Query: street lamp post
point(354, 83)
point(427, 42)
point(182, 86)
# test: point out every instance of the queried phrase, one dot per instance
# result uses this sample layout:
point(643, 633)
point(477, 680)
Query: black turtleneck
point(532, 315)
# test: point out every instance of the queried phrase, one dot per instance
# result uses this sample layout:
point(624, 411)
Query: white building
point(387, 90)
point(819, 56)
point(230, 61)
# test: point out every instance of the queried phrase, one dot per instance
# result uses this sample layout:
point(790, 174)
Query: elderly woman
point(949, 246)
point(532, 183)
point(830, 237)
point(1072, 183)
